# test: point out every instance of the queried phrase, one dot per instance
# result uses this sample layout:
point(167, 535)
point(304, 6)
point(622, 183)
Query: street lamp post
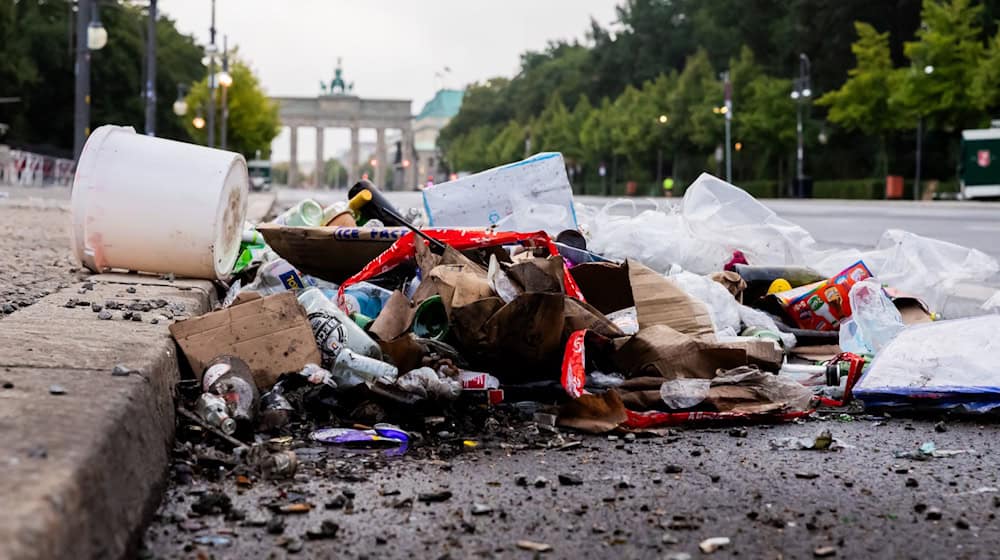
point(662, 120)
point(225, 80)
point(90, 36)
point(180, 106)
point(211, 51)
point(729, 120)
point(801, 93)
point(928, 70)
point(151, 71)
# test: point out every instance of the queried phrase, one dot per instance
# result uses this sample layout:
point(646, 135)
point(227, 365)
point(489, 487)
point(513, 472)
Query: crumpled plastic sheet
point(921, 266)
point(428, 383)
point(717, 218)
point(941, 364)
point(684, 393)
point(722, 307)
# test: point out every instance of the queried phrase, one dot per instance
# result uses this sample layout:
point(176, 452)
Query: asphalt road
point(835, 223)
point(648, 498)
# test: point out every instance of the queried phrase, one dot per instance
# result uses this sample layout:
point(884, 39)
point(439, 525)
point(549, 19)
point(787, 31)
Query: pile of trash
point(356, 323)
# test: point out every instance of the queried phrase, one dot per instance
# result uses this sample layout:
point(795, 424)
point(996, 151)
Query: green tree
point(334, 173)
point(552, 131)
point(943, 63)
point(508, 145)
point(37, 60)
point(253, 117)
point(596, 139)
point(985, 88)
point(695, 127)
point(862, 103)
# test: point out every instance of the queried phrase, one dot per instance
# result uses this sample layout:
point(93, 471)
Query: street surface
point(655, 497)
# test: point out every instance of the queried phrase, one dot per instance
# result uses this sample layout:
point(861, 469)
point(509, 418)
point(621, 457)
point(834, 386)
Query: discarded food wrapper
point(527, 195)
point(822, 305)
point(928, 450)
point(379, 435)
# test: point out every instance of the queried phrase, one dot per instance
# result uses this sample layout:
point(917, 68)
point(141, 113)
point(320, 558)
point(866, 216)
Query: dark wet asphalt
point(862, 501)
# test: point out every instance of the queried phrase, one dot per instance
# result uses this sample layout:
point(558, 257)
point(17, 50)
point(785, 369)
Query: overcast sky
point(390, 48)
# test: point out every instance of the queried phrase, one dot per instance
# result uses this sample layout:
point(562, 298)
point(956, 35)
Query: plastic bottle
point(212, 409)
point(350, 368)
point(278, 276)
point(275, 410)
point(876, 321)
point(759, 278)
point(366, 298)
point(813, 375)
point(307, 213)
point(430, 320)
point(378, 208)
point(230, 378)
point(335, 329)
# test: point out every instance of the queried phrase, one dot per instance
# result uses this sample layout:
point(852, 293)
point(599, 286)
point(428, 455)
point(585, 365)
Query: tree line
point(642, 98)
point(37, 56)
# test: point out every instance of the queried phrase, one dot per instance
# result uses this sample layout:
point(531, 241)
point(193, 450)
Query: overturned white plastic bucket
point(153, 205)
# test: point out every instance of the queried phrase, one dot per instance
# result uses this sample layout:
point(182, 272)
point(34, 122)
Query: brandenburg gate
point(338, 107)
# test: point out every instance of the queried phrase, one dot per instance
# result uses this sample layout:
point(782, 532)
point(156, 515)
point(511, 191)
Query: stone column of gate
point(409, 173)
point(381, 160)
point(293, 158)
point(352, 163)
point(320, 162)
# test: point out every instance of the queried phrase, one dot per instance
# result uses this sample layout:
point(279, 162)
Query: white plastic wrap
point(426, 382)
point(722, 306)
point(684, 393)
point(941, 363)
point(720, 213)
point(916, 265)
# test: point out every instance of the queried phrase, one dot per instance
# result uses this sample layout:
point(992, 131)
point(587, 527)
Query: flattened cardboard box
point(330, 253)
point(271, 334)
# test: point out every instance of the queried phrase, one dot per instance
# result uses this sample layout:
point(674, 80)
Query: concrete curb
point(84, 470)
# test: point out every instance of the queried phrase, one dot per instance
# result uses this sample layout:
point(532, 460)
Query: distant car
point(260, 174)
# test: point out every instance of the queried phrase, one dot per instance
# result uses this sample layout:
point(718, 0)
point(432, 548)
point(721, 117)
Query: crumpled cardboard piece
point(595, 414)
point(610, 287)
point(750, 390)
point(330, 253)
point(745, 389)
point(663, 351)
point(604, 285)
point(539, 274)
point(271, 334)
point(660, 302)
point(732, 281)
point(394, 319)
point(404, 352)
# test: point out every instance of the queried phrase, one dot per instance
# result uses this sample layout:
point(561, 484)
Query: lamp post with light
point(180, 105)
point(662, 120)
point(928, 70)
point(90, 36)
point(225, 79)
point(801, 94)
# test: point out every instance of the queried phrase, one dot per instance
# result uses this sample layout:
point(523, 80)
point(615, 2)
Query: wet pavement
point(651, 497)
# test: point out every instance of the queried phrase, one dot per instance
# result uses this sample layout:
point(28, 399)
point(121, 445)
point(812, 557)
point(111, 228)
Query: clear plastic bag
point(874, 322)
point(684, 393)
point(720, 213)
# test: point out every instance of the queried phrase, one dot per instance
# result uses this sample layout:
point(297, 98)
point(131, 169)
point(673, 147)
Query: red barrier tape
point(460, 239)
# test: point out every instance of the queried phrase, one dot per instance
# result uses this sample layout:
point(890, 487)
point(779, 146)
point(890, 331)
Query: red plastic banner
point(460, 239)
